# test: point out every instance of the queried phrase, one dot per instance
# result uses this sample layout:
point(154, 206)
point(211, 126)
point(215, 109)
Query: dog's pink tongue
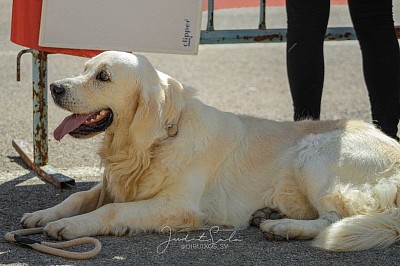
point(69, 124)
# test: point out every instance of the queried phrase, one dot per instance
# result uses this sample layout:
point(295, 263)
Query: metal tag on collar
point(172, 130)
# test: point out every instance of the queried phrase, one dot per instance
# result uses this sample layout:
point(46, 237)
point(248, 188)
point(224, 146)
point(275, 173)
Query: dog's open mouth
point(79, 125)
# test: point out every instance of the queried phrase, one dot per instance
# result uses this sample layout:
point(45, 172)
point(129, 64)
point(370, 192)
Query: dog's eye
point(103, 76)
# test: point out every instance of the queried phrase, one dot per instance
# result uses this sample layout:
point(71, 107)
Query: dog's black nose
point(57, 89)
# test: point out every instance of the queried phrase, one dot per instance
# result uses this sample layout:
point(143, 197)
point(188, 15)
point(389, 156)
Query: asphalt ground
point(248, 79)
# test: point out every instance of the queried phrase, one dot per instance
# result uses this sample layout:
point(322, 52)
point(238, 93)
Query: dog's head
point(118, 91)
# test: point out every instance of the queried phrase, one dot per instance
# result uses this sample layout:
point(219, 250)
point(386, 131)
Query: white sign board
point(164, 26)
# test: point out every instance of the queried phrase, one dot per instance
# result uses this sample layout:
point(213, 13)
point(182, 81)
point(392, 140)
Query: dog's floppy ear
point(175, 98)
point(147, 125)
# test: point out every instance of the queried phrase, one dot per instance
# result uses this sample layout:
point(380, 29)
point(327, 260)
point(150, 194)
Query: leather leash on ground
point(54, 248)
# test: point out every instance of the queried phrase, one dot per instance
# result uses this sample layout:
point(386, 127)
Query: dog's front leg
point(124, 218)
point(77, 203)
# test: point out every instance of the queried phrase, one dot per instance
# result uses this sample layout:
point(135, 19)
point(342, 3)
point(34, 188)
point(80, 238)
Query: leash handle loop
point(55, 248)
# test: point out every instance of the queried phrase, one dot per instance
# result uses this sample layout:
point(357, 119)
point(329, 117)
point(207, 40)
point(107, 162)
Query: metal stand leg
point(36, 157)
point(39, 84)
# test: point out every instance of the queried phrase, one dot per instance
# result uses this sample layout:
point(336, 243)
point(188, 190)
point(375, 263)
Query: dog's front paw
point(63, 229)
point(73, 227)
point(39, 218)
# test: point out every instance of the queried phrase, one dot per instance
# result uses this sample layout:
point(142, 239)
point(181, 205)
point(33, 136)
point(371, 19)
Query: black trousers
point(373, 23)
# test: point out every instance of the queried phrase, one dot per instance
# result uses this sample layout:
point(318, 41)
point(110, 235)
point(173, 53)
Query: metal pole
point(210, 22)
point(262, 25)
point(39, 84)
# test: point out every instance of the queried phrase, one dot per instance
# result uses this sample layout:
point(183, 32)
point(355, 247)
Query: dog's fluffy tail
point(375, 230)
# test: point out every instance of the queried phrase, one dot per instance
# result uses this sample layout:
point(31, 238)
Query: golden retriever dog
point(170, 160)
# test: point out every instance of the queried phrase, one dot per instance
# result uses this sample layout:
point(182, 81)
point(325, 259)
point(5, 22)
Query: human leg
point(307, 22)
point(373, 22)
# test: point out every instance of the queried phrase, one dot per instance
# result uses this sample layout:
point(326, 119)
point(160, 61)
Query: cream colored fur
point(336, 181)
